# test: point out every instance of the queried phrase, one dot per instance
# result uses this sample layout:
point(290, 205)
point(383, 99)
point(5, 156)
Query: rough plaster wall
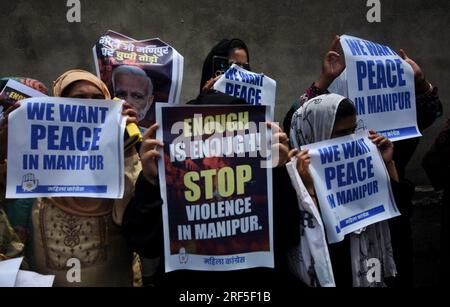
point(286, 38)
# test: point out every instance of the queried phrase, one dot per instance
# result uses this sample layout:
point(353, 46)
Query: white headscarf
point(314, 122)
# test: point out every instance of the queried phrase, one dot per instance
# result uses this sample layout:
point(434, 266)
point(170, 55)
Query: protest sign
point(11, 276)
point(66, 147)
point(8, 272)
point(381, 85)
point(352, 184)
point(13, 92)
point(256, 89)
point(152, 59)
point(217, 195)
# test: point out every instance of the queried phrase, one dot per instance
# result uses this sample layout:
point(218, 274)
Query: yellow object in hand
point(133, 133)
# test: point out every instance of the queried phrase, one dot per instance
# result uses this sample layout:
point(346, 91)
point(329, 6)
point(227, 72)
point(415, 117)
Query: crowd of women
point(120, 242)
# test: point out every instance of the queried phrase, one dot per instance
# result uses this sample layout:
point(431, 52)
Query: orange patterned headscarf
point(75, 75)
point(88, 207)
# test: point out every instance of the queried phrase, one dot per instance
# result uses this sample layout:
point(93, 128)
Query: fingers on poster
point(382, 87)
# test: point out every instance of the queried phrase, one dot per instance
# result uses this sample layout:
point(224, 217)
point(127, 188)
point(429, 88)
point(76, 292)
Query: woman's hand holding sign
point(386, 148)
point(210, 84)
point(131, 114)
point(303, 162)
point(333, 65)
point(384, 145)
point(280, 145)
point(150, 154)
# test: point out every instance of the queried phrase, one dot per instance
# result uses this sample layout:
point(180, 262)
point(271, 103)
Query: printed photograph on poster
point(142, 72)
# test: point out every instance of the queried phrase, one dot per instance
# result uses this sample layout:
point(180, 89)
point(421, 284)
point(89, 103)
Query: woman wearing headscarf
point(68, 230)
point(143, 218)
point(429, 108)
point(235, 50)
point(226, 53)
point(326, 117)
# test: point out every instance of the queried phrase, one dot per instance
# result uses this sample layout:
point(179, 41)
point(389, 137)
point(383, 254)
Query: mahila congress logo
point(29, 182)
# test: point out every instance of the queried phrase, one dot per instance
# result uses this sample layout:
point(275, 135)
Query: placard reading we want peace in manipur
point(352, 184)
point(66, 147)
point(381, 85)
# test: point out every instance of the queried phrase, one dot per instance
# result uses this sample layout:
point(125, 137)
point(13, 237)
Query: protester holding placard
point(220, 58)
point(229, 68)
point(333, 65)
point(326, 117)
point(82, 228)
point(143, 223)
point(144, 229)
point(428, 109)
point(146, 237)
point(428, 105)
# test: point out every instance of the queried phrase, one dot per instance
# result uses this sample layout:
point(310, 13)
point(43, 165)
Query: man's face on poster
point(135, 90)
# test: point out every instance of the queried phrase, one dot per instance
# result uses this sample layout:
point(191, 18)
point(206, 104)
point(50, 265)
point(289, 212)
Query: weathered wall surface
point(287, 38)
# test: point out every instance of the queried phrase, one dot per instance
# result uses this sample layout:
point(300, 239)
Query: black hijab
point(223, 49)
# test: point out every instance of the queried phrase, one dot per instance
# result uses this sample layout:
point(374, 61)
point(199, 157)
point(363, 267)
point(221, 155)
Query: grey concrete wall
point(286, 38)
